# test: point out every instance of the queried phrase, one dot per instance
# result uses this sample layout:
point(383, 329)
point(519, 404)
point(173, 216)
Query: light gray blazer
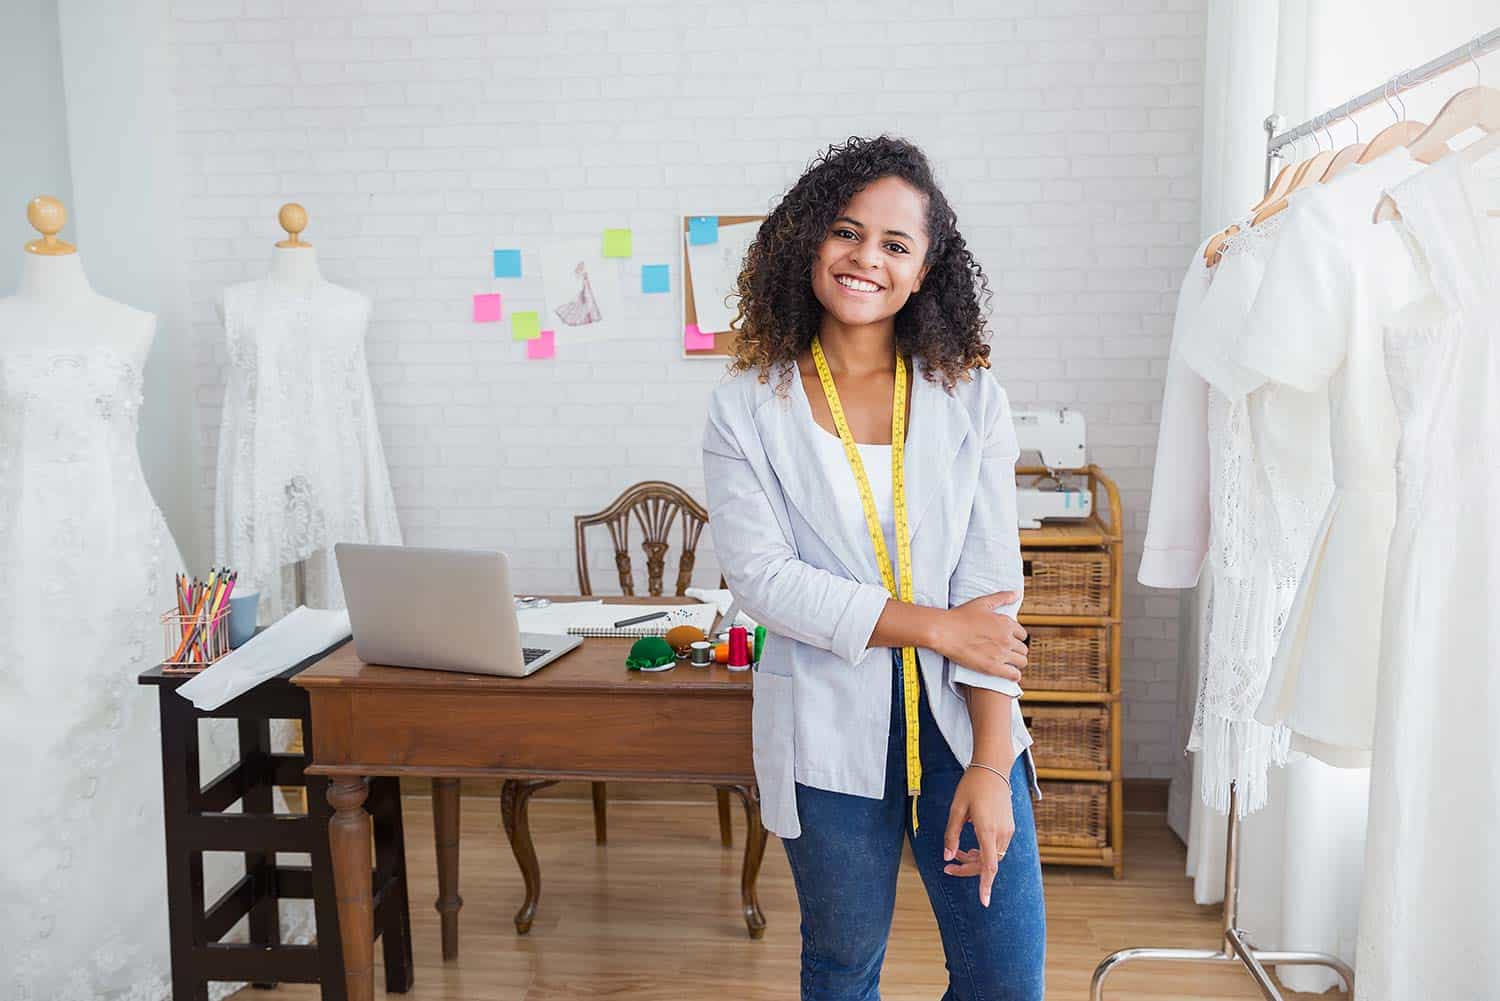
point(823, 703)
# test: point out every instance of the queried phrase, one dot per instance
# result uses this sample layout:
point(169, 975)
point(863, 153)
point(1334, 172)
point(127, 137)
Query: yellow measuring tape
point(910, 691)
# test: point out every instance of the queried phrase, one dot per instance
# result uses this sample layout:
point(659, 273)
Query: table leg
point(755, 851)
point(515, 794)
point(445, 815)
point(349, 843)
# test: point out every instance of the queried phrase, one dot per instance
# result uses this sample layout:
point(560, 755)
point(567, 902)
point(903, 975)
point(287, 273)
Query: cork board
point(723, 340)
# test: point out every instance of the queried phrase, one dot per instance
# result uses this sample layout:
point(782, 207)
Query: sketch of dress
point(582, 308)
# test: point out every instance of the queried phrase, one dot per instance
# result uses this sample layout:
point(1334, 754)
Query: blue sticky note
point(703, 229)
point(655, 277)
point(507, 264)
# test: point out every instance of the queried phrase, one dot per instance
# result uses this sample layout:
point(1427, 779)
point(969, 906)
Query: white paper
point(721, 599)
point(715, 274)
point(605, 617)
point(554, 618)
point(582, 289)
point(296, 637)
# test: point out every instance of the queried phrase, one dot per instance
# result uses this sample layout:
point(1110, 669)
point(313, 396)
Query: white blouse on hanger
point(1312, 329)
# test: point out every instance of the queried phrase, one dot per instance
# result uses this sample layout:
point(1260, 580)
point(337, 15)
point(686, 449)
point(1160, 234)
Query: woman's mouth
point(857, 286)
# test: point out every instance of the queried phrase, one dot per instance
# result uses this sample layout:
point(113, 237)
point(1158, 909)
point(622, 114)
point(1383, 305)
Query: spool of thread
point(760, 642)
point(702, 653)
point(739, 648)
point(721, 653)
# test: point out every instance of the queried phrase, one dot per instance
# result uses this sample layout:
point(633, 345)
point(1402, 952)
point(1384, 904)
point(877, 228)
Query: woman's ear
point(920, 275)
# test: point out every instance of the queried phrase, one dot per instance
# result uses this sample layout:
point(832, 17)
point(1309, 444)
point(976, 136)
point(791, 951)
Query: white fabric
point(300, 465)
point(723, 600)
point(290, 640)
point(1313, 327)
point(877, 462)
point(1432, 875)
point(87, 566)
point(808, 573)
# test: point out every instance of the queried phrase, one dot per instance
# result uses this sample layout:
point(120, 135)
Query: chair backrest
point(655, 506)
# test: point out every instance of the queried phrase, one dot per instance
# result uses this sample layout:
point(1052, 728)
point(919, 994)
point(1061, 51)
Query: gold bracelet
point(990, 768)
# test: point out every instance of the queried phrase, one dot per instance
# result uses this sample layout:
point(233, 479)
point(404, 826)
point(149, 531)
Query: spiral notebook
point(599, 620)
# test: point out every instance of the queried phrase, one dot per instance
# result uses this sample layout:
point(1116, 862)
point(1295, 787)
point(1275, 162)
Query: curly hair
point(778, 313)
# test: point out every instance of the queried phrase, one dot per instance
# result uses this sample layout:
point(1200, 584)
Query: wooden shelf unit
point(1102, 532)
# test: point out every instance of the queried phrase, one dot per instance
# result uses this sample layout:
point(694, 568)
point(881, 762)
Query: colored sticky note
point(617, 243)
point(695, 340)
point(487, 307)
point(655, 277)
point(525, 326)
point(703, 229)
point(541, 347)
point(507, 264)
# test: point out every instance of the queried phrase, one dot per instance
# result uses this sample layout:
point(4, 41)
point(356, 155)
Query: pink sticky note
point(694, 340)
point(541, 347)
point(487, 307)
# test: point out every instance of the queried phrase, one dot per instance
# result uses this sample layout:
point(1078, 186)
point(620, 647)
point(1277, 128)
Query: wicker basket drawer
point(1067, 659)
point(1072, 815)
point(1066, 582)
point(1069, 736)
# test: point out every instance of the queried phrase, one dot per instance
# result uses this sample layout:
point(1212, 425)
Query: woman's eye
point(897, 247)
point(846, 232)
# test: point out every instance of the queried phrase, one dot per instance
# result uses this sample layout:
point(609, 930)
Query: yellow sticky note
point(617, 243)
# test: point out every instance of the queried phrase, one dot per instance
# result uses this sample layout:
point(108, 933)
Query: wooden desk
point(581, 717)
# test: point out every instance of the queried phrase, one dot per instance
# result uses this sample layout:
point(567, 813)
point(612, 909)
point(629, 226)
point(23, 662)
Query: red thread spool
point(739, 647)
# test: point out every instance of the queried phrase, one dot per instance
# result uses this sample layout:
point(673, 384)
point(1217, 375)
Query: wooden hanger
point(1349, 154)
point(1308, 173)
point(1472, 108)
point(1283, 182)
point(1388, 138)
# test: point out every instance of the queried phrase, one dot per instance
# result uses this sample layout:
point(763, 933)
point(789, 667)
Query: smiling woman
point(826, 225)
point(887, 574)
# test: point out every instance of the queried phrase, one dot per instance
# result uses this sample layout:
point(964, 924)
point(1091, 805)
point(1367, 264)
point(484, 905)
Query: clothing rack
point(1236, 948)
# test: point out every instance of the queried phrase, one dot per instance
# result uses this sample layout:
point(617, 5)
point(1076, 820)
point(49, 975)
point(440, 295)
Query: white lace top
point(301, 465)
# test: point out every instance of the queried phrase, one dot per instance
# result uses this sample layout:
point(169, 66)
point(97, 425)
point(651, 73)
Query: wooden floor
point(654, 916)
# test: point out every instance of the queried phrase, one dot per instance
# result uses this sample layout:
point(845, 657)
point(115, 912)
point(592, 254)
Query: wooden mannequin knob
point(47, 216)
point(293, 219)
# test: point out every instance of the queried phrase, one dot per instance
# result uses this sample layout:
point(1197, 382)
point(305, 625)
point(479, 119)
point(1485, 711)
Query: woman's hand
point(982, 799)
point(972, 634)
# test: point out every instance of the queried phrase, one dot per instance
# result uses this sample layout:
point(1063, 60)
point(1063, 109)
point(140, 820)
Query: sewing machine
point(1057, 437)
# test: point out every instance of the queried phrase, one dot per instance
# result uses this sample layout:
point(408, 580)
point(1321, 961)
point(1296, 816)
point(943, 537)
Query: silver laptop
point(443, 609)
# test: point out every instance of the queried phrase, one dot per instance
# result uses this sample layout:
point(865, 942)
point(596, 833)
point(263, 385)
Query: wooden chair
point(656, 506)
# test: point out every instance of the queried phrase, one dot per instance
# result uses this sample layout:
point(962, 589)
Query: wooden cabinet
point(1072, 609)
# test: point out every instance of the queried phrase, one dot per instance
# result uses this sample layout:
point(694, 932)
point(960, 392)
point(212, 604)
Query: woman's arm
point(983, 797)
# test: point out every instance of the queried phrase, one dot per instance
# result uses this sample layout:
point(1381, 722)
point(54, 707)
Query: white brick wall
point(420, 134)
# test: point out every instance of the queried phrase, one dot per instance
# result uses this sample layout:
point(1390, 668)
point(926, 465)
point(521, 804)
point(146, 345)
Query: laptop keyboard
point(531, 653)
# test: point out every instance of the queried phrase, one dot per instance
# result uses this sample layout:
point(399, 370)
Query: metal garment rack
point(1236, 948)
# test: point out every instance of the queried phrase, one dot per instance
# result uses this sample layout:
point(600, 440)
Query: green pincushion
point(649, 653)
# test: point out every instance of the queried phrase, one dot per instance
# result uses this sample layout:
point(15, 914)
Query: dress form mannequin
point(301, 466)
point(86, 567)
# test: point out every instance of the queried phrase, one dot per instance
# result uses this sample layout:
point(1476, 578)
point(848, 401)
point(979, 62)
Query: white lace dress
point(1269, 480)
point(86, 566)
point(1432, 875)
point(301, 465)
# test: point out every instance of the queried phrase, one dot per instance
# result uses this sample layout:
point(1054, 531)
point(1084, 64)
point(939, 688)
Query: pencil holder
point(192, 642)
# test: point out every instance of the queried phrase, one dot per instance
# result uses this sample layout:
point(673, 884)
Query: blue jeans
point(845, 865)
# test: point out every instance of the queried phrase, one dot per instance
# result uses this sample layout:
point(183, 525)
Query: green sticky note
point(617, 243)
point(525, 326)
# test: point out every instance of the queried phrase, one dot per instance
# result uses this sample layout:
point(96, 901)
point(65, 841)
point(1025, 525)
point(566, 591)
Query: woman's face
point(870, 261)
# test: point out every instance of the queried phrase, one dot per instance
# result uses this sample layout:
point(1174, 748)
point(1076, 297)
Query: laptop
point(442, 609)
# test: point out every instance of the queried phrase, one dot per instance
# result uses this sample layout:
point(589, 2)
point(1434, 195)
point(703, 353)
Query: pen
point(640, 618)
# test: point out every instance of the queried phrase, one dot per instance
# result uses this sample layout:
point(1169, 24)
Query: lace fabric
point(301, 466)
point(86, 566)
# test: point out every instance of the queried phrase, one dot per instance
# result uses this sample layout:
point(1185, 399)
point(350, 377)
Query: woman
point(860, 332)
